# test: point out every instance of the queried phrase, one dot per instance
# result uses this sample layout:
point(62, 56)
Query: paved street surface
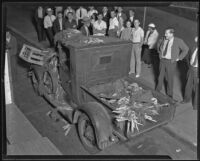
point(35, 108)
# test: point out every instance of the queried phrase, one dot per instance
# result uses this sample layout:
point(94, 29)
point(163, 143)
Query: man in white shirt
point(192, 79)
point(170, 49)
point(137, 37)
point(113, 25)
point(59, 23)
point(106, 17)
point(48, 25)
point(99, 27)
point(80, 13)
point(149, 44)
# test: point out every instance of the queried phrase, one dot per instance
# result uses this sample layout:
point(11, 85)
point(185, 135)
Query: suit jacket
point(123, 15)
point(56, 25)
point(36, 14)
point(179, 48)
point(72, 25)
point(132, 22)
point(106, 18)
point(84, 32)
point(12, 46)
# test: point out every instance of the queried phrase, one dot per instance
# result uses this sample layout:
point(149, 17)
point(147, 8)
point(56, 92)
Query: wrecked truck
point(86, 80)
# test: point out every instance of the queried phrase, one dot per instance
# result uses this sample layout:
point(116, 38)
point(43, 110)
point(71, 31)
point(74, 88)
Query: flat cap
point(152, 25)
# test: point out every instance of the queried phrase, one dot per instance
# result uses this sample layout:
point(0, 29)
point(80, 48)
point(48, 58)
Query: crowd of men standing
point(115, 23)
point(89, 21)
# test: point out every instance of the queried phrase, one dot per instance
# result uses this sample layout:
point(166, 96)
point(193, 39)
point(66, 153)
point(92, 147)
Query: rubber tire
point(81, 120)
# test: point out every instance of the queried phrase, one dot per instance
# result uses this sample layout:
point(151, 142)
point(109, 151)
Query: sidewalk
point(23, 138)
point(184, 125)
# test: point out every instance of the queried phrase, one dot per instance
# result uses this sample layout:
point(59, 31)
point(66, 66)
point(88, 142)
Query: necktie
point(166, 47)
point(80, 13)
point(149, 36)
point(195, 59)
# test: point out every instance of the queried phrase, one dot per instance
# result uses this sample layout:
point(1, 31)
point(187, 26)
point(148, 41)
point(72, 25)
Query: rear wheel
point(87, 134)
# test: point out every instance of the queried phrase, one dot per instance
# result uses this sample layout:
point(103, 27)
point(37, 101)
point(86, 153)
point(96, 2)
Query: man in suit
point(171, 49)
point(48, 25)
point(70, 23)
point(106, 18)
point(80, 13)
point(59, 23)
point(85, 28)
point(192, 78)
point(131, 17)
point(121, 14)
point(39, 19)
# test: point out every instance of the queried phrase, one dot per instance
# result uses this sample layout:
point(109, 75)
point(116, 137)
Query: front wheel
point(87, 134)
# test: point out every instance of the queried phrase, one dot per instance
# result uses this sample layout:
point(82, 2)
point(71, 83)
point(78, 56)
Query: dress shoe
point(137, 76)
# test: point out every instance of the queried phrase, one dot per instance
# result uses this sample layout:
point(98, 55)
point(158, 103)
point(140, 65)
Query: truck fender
point(100, 119)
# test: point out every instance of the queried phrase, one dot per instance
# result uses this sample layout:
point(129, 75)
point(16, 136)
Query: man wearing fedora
point(48, 25)
point(85, 28)
point(149, 44)
point(113, 25)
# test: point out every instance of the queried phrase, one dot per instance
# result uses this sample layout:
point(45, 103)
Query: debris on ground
point(139, 146)
point(178, 150)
